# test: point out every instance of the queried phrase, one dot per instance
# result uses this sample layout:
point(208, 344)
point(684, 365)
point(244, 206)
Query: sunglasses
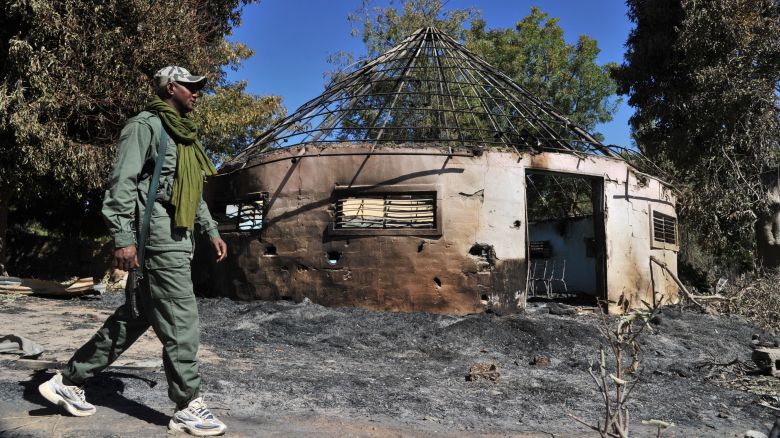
point(192, 87)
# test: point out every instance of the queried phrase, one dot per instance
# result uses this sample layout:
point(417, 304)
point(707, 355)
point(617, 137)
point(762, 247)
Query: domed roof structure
point(430, 90)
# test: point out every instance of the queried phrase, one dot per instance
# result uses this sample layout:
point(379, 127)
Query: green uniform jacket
point(125, 198)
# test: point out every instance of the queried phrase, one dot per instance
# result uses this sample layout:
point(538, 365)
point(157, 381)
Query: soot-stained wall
point(475, 259)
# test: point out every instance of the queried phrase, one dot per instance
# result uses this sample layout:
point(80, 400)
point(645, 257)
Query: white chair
point(557, 274)
point(538, 273)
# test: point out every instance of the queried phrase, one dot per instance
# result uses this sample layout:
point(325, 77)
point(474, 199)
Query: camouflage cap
point(169, 74)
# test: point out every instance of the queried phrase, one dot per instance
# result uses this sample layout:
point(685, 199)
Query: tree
point(73, 71)
point(704, 78)
point(535, 55)
point(383, 28)
point(230, 119)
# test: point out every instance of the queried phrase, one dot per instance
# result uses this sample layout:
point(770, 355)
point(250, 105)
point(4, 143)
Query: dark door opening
point(566, 240)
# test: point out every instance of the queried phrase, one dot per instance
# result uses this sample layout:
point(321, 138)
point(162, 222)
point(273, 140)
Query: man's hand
point(220, 247)
point(125, 258)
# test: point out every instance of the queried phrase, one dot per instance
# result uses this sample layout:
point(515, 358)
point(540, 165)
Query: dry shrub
point(614, 373)
point(755, 298)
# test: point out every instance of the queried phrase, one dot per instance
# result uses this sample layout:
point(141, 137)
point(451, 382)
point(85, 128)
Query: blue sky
point(292, 40)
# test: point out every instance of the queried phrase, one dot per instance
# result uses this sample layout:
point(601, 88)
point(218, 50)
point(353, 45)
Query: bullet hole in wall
point(437, 281)
point(333, 257)
point(421, 246)
point(270, 250)
point(485, 252)
point(516, 224)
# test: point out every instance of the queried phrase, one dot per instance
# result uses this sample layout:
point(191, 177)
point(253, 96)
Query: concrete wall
point(478, 261)
point(568, 240)
point(629, 199)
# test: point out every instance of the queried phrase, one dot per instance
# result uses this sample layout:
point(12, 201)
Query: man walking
point(166, 301)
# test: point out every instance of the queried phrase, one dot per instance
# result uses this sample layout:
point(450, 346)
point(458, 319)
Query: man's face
point(183, 96)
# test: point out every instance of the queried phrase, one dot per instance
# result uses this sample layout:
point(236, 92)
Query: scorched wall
point(474, 260)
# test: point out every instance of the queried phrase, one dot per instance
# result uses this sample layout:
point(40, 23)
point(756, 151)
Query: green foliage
point(230, 119)
point(535, 55)
point(704, 78)
point(74, 71)
point(553, 196)
point(383, 28)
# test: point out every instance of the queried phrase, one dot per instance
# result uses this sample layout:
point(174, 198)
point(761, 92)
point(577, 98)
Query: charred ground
point(287, 369)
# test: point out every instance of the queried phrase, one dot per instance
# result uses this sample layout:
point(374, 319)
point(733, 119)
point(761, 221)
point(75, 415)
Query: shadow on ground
point(105, 390)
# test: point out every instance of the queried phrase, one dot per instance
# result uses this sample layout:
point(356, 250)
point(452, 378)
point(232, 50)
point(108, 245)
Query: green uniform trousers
point(168, 305)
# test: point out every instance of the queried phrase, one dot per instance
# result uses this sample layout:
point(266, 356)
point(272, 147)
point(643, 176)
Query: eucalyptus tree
point(704, 78)
point(73, 71)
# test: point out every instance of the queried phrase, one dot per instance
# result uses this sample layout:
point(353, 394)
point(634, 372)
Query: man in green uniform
point(166, 302)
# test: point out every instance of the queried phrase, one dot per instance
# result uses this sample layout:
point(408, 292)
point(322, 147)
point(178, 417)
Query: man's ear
point(169, 89)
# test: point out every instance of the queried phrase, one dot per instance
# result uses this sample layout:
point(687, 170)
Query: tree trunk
point(768, 226)
point(5, 203)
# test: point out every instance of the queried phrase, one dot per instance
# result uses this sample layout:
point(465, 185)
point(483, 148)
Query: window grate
point(245, 216)
point(387, 211)
point(664, 228)
point(250, 216)
point(540, 249)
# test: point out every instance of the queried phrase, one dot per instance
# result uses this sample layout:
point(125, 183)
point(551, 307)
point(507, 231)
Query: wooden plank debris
point(31, 286)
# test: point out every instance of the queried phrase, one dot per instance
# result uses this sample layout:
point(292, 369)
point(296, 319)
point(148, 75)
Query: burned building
point(427, 180)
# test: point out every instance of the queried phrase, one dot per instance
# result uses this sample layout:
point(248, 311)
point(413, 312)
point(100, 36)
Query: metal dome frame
point(428, 90)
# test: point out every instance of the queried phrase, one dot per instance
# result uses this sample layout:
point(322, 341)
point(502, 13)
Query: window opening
point(590, 247)
point(664, 230)
point(243, 216)
point(387, 211)
point(250, 216)
point(540, 249)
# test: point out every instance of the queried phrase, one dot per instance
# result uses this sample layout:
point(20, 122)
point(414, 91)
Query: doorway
point(566, 240)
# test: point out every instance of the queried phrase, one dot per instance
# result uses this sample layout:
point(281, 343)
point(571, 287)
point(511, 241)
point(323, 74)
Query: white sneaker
point(69, 397)
point(197, 420)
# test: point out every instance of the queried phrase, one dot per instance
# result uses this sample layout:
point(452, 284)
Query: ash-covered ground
point(287, 369)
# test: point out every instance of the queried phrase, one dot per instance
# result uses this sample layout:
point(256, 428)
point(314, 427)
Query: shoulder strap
point(151, 197)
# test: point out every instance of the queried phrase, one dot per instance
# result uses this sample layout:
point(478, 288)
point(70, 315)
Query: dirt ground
point(283, 369)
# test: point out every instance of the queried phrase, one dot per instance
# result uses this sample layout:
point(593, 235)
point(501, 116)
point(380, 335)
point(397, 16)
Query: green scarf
point(192, 164)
